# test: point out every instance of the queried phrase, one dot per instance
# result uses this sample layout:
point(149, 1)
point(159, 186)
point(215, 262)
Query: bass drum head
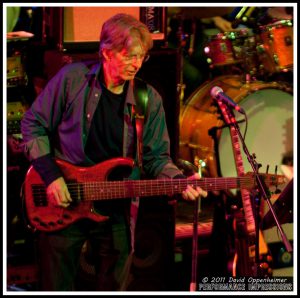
point(269, 108)
point(269, 134)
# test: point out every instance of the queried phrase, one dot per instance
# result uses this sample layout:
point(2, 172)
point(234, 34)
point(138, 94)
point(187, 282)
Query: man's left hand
point(192, 192)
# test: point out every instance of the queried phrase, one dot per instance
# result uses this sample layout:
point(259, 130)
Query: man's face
point(125, 64)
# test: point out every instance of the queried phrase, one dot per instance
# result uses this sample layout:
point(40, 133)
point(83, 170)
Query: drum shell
point(199, 116)
point(275, 49)
point(226, 48)
point(219, 50)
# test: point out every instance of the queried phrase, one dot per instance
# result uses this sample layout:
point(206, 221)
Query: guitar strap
point(138, 116)
point(138, 112)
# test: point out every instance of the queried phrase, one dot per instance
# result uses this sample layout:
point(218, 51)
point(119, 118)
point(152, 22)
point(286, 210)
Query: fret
point(246, 200)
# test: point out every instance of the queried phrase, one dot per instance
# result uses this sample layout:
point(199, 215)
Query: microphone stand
point(197, 209)
point(193, 282)
point(261, 190)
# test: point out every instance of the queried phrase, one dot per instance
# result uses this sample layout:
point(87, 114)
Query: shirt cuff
point(47, 168)
point(179, 176)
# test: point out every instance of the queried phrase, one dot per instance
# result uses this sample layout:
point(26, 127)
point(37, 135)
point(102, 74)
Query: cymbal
point(200, 11)
point(18, 35)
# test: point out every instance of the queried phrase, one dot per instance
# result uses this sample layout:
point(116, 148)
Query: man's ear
point(106, 54)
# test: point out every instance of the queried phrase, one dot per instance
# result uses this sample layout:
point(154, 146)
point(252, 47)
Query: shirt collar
point(94, 72)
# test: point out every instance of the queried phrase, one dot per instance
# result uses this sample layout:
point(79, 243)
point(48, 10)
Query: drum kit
point(262, 87)
point(262, 58)
point(262, 54)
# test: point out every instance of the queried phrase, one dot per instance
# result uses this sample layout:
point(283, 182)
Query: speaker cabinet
point(153, 259)
point(152, 266)
point(69, 28)
point(163, 73)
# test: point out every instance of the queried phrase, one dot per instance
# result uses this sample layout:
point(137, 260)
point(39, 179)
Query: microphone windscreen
point(215, 91)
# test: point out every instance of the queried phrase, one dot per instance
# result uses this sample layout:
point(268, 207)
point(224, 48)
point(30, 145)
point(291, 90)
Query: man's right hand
point(58, 193)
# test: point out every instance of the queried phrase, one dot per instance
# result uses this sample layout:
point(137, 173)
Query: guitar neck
point(247, 206)
point(88, 184)
point(106, 190)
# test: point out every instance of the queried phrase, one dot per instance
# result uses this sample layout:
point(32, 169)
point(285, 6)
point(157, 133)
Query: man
point(84, 116)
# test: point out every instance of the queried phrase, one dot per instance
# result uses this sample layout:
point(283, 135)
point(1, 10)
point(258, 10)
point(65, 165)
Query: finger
point(59, 198)
point(68, 196)
point(184, 195)
point(52, 198)
point(63, 201)
point(192, 191)
point(187, 196)
point(203, 193)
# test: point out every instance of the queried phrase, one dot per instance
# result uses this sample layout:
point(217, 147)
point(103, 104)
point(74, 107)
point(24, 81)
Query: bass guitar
point(89, 184)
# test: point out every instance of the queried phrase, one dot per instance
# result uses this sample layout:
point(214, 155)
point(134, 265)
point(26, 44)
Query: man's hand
point(58, 193)
point(222, 24)
point(191, 193)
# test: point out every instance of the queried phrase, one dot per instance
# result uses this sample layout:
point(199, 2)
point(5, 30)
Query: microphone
point(217, 93)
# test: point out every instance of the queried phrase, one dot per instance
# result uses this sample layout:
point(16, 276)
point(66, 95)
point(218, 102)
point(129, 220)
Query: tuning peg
point(258, 166)
point(267, 170)
point(277, 190)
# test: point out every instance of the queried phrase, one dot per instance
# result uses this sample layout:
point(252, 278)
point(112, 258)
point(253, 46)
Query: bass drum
point(269, 108)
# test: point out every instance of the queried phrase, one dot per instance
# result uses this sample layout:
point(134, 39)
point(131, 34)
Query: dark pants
point(59, 254)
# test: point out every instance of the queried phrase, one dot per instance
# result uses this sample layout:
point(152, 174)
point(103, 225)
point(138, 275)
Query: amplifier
point(73, 28)
point(17, 275)
point(15, 112)
point(15, 71)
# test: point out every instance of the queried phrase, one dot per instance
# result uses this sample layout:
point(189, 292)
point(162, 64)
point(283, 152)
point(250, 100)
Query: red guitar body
point(46, 216)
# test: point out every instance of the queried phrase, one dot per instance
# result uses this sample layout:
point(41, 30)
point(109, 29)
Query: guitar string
point(117, 187)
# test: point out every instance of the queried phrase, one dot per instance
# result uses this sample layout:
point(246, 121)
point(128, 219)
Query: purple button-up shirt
point(59, 120)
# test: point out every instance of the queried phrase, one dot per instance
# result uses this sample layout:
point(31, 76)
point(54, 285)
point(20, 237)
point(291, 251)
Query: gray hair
point(119, 31)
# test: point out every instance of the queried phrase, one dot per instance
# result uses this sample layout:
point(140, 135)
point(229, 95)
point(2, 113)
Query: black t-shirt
point(105, 141)
point(105, 138)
